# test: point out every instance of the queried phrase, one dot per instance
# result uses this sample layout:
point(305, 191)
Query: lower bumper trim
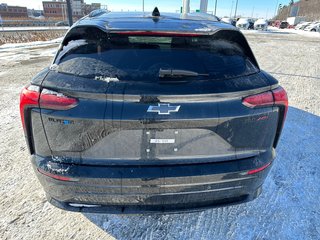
point(153, 209)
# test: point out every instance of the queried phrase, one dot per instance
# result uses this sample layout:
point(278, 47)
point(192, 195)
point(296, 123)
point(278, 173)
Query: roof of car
point(138, 21)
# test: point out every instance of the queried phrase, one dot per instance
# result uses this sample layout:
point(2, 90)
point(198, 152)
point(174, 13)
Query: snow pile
point(17, 52)
point(30, 44)
point(277, 31)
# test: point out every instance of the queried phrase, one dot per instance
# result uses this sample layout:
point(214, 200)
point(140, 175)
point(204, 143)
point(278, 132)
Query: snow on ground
point(15, 29)
point(11, 46)
point(277, 31)
point(17, 52)
point(288, 207)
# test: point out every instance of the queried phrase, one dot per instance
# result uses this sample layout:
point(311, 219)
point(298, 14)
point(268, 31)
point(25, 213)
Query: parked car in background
point(245, 23)
point(276, 23)
point(261, 24)
point(61, 23)
point(229, 20)
point(314, 27)
point(283, 25)
point(152, 114)
point(302, 26)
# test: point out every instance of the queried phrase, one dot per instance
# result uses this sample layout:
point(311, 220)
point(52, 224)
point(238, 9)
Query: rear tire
point(313, 30)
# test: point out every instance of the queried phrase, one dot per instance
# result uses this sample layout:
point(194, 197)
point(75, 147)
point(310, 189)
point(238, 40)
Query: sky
point(248, 8)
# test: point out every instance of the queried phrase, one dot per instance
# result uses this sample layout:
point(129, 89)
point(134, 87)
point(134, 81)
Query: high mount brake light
point(31, 97)
point(155, 33)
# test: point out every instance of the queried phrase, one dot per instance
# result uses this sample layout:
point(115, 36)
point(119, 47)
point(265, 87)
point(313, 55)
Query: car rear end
point(243, 25)
point(261, 24)
point(313, 28)
point(108, 133)
point(283, 25)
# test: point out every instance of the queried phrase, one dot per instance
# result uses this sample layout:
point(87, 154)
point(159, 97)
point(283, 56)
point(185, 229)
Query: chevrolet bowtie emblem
point(163, 109)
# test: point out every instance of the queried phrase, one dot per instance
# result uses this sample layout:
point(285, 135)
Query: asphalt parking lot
point(289, 207)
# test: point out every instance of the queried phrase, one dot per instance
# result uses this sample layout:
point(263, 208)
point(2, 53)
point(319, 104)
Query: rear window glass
point(140, 58)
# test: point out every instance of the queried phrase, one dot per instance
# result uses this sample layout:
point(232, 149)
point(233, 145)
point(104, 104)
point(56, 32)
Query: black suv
point(152, 113)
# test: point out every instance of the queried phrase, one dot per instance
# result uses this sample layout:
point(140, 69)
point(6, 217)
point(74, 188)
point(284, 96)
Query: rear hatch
point(145, 99)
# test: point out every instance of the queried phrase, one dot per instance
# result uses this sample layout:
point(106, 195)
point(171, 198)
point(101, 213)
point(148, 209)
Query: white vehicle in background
point(245, 23)
point(315, 27)
point(302, 26)
point(226, 20)
point(261, 24)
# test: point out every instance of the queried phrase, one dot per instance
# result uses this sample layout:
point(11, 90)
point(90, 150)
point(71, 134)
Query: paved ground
point(288, 208)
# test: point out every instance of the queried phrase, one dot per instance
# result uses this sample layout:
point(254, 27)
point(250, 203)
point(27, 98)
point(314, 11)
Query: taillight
point(29, 97)
point(259, 100)
point(57, 101)
point(276, 97)
point(281, 99)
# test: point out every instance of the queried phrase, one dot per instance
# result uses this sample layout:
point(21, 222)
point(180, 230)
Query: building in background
point(91, 7)
point(35, 13)
point(77, 8)
point(55, 9)
point(58, 9)
point(13, 11)
point(294, 9)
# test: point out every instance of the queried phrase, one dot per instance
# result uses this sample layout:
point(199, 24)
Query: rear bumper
point(152, 189)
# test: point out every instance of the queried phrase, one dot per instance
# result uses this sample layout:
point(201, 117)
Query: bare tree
point(310, 9)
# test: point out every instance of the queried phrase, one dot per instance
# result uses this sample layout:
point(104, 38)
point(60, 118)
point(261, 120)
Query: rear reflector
point(258, 169)
point(80, 205)
point(57, 101)
point(57, 177)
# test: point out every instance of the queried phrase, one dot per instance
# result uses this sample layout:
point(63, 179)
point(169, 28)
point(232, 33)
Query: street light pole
point(215, 8)
point(186, 6)
point(275, 11)
point(231, 8)
point(69, 13)
point(235, 12)
point(143, 6)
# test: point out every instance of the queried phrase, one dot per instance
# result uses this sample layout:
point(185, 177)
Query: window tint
point(139, 58)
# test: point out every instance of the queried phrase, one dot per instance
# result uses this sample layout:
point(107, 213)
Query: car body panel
point(132, 145)
point(153, 189)
point(313, 27)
